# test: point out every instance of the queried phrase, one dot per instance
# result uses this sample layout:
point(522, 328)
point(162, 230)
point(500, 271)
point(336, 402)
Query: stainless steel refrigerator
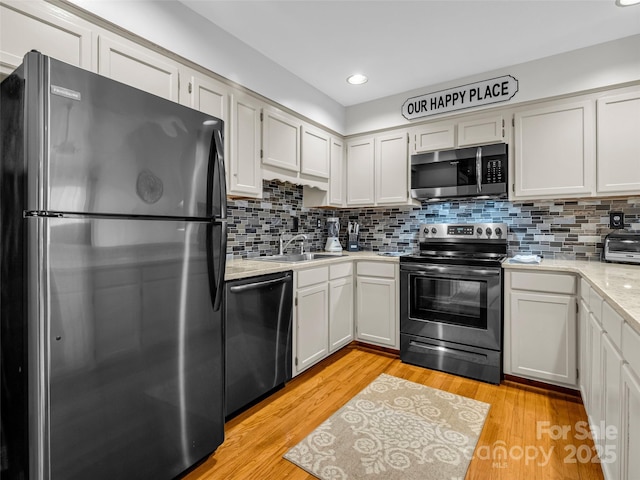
point(113, 239)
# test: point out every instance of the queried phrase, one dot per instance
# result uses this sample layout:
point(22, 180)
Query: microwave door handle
point(479, 169)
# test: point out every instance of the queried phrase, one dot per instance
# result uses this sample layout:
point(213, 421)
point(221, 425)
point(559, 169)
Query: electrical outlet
point(319, 223)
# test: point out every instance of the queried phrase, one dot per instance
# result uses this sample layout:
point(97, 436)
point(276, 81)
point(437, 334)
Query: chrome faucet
point(284, 245)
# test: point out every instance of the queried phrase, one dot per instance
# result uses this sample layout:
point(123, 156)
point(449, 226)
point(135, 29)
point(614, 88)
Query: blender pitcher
point(333, 231)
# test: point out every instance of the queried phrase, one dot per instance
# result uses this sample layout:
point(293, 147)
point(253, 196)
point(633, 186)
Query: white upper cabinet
point(336, 179)
point(334, 196)
point(618, 143)
point(482, 130)
point(26, 26)
point(360, 172)
point(316, 152)
point(434, 136)
point(392, 169)
point(555, 151)
point(140, 67)
point(204, 93)
point(294, 151)
point(280, 140)
point(473, 130)
point(243, 156)
point(378, 170)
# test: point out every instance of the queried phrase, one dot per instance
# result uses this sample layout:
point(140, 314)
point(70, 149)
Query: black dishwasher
point(258, 314)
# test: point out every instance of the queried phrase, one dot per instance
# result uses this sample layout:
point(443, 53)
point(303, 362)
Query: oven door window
point(449, 300)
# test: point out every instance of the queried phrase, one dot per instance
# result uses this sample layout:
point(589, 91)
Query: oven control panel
point(487, 231)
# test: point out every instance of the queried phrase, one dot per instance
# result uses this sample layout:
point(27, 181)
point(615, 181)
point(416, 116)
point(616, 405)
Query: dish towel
point(529, 259)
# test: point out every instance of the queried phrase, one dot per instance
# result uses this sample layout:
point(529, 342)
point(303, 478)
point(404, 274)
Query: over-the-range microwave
point(479, 172)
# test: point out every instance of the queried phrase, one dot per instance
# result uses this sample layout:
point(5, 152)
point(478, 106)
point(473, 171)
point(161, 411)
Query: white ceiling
point(406, 45)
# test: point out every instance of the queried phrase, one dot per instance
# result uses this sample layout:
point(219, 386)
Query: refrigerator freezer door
point(136, 385)
point(113, 149)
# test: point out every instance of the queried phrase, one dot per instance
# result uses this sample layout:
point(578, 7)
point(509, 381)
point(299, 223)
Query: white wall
point(588, 68)
point(175, 27)
point(178, 29)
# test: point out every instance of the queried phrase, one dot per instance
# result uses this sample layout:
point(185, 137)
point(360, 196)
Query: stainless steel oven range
point(451, 312)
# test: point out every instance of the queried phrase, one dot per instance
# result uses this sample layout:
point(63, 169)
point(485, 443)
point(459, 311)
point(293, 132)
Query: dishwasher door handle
point(257, 285)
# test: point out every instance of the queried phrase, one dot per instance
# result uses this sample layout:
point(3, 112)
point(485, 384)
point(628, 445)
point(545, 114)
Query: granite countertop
point(617, 283)
point(237, 269)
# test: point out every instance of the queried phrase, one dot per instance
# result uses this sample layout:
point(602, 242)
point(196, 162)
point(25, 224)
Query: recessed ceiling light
point(626, 3)
point(359, 79)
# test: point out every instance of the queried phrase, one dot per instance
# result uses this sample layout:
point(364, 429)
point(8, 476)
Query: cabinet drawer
point(312, 276)
point(595, 304)
point(340, 270)
point(631, 348)
point(612, 323)
point(544, 282)
point(376, 269)
point(584, 290)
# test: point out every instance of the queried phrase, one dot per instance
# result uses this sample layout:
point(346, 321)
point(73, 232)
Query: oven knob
point(498, 231)
point(488, 231)
point(434, 230)
point(425, 231)
point(479, 230)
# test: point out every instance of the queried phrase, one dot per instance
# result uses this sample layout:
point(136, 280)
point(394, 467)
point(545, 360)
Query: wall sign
point(494, 90)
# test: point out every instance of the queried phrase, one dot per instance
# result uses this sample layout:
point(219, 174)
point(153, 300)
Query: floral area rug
point(394, 429)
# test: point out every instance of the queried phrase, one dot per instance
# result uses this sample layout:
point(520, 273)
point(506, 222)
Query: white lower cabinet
point(584, 348)
point(629, 445)
point(340, 305)
point(595, 378)
point(311, 317)
point(629, 450)
point(612, 362)
point(541, 326)
point(377, 317)
point(323, 312)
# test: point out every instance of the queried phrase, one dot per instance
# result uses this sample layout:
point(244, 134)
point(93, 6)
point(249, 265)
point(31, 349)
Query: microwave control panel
point(494, 172)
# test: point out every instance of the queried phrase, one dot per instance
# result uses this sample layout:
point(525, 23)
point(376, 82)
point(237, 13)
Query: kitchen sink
point(296, 257)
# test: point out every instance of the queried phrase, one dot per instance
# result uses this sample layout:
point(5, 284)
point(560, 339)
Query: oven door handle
point(428, 270)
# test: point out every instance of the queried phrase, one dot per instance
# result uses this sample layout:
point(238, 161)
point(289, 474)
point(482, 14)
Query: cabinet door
point(481, 130)
point(595, 378)
point(376, 310)
point(554, 151)
point(137, 66)
point(543, 336)
point(360, 172)
point(316, 150)
point(243, 167)
point(281, 140)
point(611, 377)
point(630, 432)
point(391, 169)
point(26, 26)
point(435, 136)
point(584, 349)
point(336, 180)
point(619, 143)
point(340, 313)
point(204, 94)
point(312, 317)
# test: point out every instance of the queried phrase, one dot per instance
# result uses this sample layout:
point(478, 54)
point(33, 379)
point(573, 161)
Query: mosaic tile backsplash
point(571, 229)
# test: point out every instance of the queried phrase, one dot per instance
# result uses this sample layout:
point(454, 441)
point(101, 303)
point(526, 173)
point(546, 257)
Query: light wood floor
point(521, 422)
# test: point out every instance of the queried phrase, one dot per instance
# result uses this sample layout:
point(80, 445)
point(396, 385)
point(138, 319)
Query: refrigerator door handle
point(216, 271)
point(216, 184)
